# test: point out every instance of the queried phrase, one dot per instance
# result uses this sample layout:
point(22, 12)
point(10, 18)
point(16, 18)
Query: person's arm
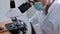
point(2, 25)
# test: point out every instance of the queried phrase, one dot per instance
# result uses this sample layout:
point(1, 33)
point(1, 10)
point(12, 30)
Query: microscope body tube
point(12, 4)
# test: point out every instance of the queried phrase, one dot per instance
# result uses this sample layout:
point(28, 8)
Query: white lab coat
point(16, 13)
point(36, 21)
point(31, 11)
point(35, 17)
point(51, 24)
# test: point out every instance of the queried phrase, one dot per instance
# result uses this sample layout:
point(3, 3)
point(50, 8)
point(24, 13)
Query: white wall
point(5, 6)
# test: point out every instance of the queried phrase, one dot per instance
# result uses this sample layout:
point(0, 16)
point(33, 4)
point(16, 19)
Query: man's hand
point(2, 25)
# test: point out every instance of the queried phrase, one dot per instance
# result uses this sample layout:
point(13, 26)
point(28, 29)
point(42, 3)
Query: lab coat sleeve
point(51, 22)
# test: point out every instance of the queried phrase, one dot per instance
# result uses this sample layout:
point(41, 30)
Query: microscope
point(18, 26)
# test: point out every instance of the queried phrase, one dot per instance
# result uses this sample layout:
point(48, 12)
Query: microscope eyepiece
point(12, 4)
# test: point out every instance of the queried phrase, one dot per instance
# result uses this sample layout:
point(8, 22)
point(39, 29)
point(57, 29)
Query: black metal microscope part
point(16, 26)
point(24, 7)
point(12, 4)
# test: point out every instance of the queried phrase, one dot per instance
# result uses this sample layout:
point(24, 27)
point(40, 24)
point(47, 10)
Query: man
point(37, 16)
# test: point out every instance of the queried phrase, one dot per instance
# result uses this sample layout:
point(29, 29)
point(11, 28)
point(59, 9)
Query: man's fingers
point(2, 25)
point(2, 29)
